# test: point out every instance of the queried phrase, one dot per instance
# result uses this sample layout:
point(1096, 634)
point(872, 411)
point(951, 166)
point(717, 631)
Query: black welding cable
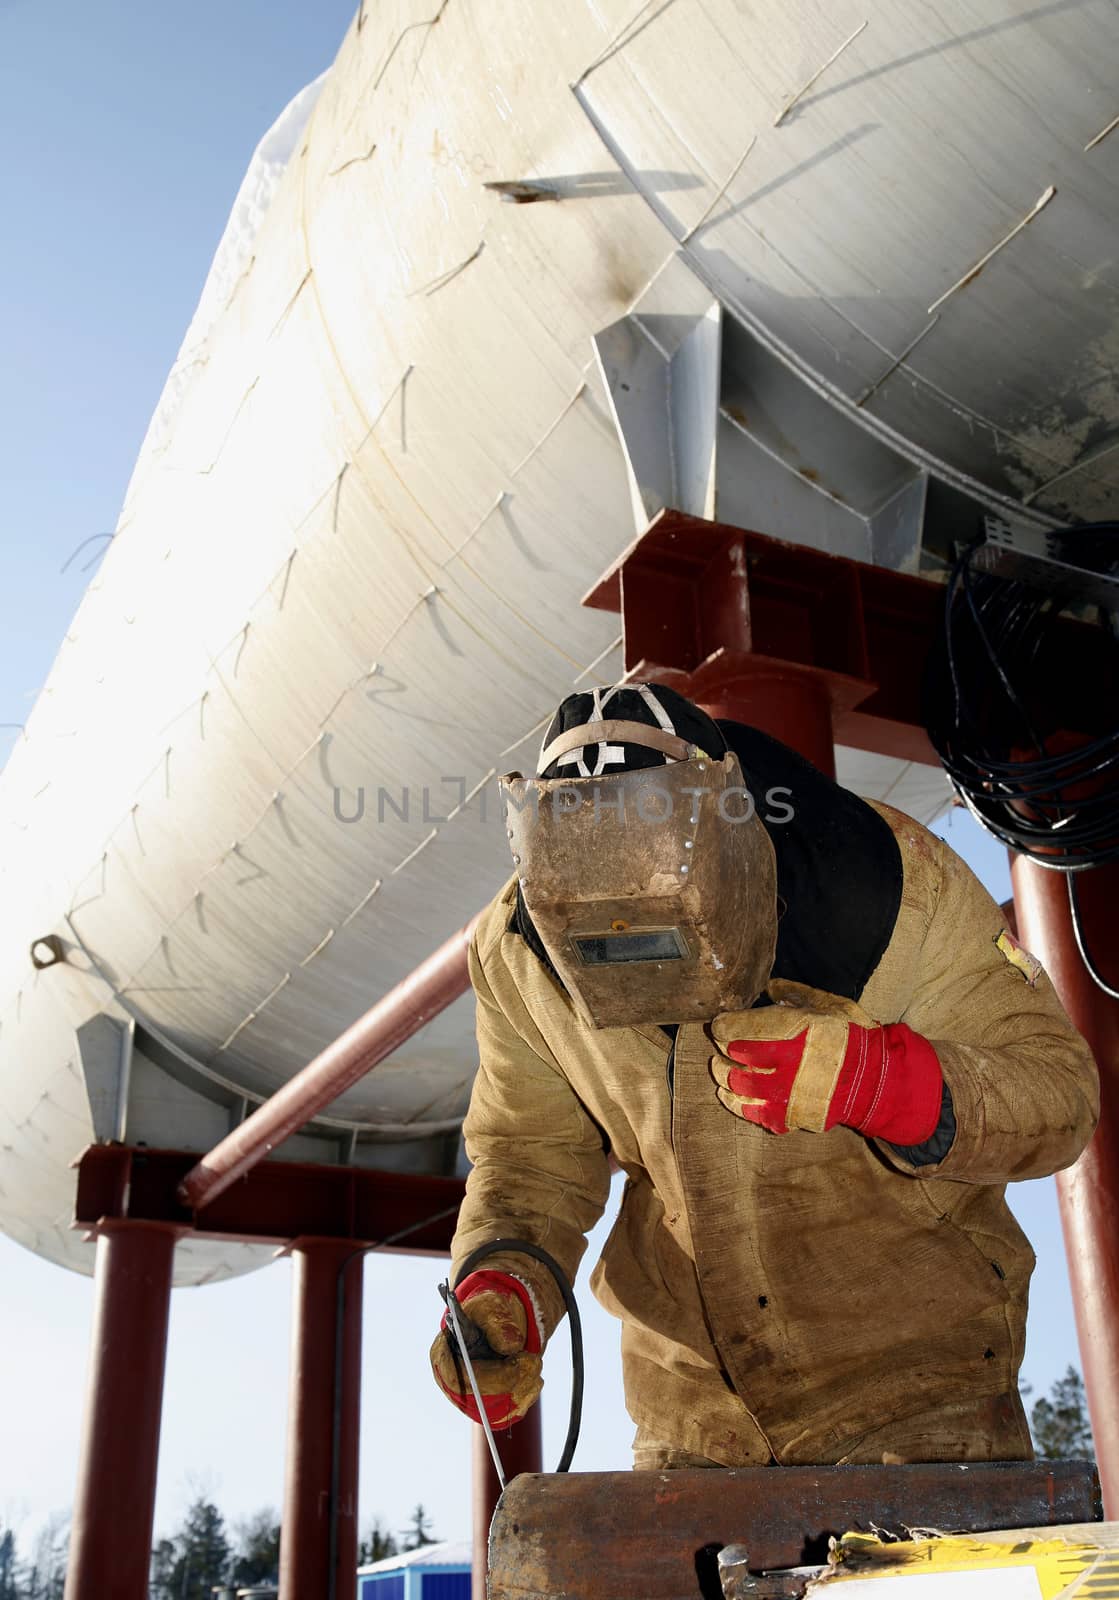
point(525, 1248)
point(1082, 944)
point(982, 708)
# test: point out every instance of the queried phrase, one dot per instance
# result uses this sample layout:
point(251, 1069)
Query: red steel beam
point(111, 1537)
point(1089, 1191)
point(705, 603)
point(792, 706)
point(426, 992)
point(702, 600)
point(275, 1203)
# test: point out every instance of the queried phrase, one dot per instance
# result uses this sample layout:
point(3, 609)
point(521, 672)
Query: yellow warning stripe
point(1061, 1568)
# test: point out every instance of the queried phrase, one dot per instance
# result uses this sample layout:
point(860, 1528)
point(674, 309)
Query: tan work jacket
point(784, 1296)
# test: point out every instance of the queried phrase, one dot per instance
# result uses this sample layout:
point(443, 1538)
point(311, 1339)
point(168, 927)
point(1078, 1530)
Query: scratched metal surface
point(609, 1536)
point(843, 215)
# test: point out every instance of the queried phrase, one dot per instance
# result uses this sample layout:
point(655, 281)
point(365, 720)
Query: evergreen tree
point(417, 1533)
point(379, 1545)
point(257, 1558)
point(201, 1555)
point(1060, 1423)
point(162, 1567)
point(9, 1575)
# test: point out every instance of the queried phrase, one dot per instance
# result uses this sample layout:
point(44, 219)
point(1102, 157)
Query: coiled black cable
point(525, 1248)
point(987, 716)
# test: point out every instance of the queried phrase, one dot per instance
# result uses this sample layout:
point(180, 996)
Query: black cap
point(627, 703)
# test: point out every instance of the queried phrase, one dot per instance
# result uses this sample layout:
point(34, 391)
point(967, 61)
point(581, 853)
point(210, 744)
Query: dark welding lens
point(639, 944)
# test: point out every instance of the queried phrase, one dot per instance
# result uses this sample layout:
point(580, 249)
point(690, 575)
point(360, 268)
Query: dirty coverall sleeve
point(1023, 1084)
point(540, 1170)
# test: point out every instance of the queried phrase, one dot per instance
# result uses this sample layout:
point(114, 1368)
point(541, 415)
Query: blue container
point(433, 1572)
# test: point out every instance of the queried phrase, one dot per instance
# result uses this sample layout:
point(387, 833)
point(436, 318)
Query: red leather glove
point(510, 1381)
point(812, 1066)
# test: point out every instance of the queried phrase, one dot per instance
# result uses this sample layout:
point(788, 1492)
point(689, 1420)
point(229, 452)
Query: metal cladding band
point(402, 1012)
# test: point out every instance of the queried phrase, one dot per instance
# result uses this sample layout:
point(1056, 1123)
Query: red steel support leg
point(794, 707)
point(521, 1451)
point(1089, 1191)
point(308, 1549)
point(110, 1545)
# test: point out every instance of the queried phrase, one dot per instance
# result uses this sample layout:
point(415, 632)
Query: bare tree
point(46, 1577)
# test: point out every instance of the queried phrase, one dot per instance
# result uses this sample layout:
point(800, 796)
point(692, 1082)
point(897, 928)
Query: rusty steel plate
point(657, 1535)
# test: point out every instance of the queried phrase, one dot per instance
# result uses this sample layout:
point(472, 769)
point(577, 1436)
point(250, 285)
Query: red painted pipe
point(521, 1450)
point(308, 1550)
point(792, 706)
point(111, 1537)
point(1089, 1191)
point(426, 992)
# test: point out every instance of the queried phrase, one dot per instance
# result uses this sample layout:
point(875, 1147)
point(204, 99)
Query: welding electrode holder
point(525, 1248)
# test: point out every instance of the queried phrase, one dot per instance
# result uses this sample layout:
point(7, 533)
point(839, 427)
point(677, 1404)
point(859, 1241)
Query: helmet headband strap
point(669, 744)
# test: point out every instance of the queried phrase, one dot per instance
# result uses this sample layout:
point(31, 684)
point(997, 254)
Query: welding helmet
point(641, 862)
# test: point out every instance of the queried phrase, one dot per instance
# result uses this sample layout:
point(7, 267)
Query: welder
point(802, 1029)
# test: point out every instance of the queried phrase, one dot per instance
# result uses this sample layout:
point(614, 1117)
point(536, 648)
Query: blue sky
point(128, 129)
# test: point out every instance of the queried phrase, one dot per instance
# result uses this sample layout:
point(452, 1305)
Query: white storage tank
point(414, 421)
